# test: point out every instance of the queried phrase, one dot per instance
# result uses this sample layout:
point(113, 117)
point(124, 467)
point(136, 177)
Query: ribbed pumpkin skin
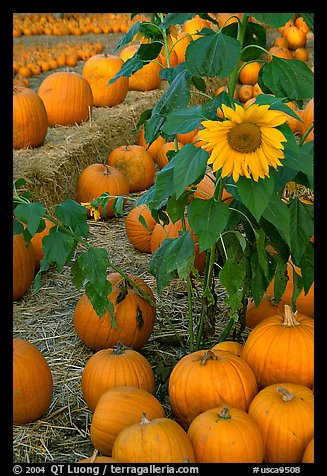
point(161, 440)
point(23, 266)
point(195, 387)
point(96, 179)
point(67, 97)
point(30, 121)
point(182, 41)
point(146, 78)
point(111, 368)
point(137, 233)
point(99, 70)
point(118, 408)
point(216, 439)
point(134, 317)
point(281, 353)
point(136, 164)
point(32, 382)
point(36, 241)
point(308, 455)
point(286, 426)
point(230, 345)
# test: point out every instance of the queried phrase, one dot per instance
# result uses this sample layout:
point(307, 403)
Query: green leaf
point(94, 263)
point(277, 213)
point(18, 227)
point(31, 214)
point(128, 37)
point(297, 288)
point(190, 163)
point(100, 301)
point(232, 275)
point(207, 219)
point(259, 279)
point(181, 254)
point(182, 121)
point(165, 181)
point(158, 265)
point(73, 216)
point(309, 19)
point(175, 19)
point(297, 158)
point(289, 78)
point(273, 19)
point(176, 207)
point(213, 55)
point(176, 96)
point(307, 267)
point(302, 227)
point(256, 195)
point(255, 34)
point(58, 248)
point(280, 279)
point(261, 250)
point(276, 104)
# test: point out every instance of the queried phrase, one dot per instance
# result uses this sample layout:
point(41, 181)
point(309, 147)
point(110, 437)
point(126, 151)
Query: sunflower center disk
point(245, 137)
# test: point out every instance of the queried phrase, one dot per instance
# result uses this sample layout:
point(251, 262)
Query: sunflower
point(94, 212)
point(246, 142)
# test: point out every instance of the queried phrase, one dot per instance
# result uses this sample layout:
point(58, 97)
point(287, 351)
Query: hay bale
point(51, 171)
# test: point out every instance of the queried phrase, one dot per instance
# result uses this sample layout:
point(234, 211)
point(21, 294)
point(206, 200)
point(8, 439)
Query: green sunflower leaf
point(208, 219)
point(190, 164)
point(273, 19)
point(256, 195)
point(58, 248)
point(302, 227)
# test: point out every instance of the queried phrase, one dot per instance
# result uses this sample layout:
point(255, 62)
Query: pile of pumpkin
point(72, 23)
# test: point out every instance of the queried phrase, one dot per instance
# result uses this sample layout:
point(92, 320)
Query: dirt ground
point(45, 317)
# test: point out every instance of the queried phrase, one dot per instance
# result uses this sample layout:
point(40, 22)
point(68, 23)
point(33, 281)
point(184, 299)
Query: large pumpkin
point(67, 97)
point(207, 378)
point(285, 415)
point(23, 266)
point(114, 367)
point(30, 121)
point(118, 408)
point(133, 316)
point(161, 440)
point(136, 164)
point(226, 435)
point(281, 349)
point(139, 224)
point(144, 79)
point(99, 70)
point(97, 179)
point(32, 382)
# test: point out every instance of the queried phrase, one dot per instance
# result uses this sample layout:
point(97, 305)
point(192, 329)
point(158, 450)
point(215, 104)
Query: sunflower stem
point(240, 36)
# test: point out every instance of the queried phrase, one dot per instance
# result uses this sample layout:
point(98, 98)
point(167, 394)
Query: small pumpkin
point(307, 116)
point(245, 92)
point(118, 408)
point(290, 358)
point(136, 164)
point(99, 69)
point(30, 121)
point(161, 440)
point(284, 413)
point(154, 147)
point(134, 316)
point(249, 73)
point(114, 367)
point(229, 345)
point(279, 52)
point(32, 382)
point(97, 179)
point(226, 435)
point(161, 155)
point(194, 25)
point(139, 224)
point(23, 266)
point(296, 38)
point(67, 97)
point(207, 378)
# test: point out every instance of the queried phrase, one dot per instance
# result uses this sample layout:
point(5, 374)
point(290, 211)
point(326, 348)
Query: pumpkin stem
point(106, 169)
point(144, 420)
point(289, 317)
point(208, 355)
point(287, 396)
point(224, 413)
point(118, 349)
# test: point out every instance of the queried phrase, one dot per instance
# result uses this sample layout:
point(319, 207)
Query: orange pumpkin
point(267, 307)
point(308, 455)
point(207, 378)
point(249, 73)
point(230, 345)
point(182, 41)
point(118, 408)
point(187, 137)
point(133, 322)
point(284, 413)
point(279, 52)
point(136, 164)
point(145, 79)
point(307, 116)
point(161, 156)
point(195, 25)
point(97, 179)
point(32, 382)
point(226, 435)
point(138, 234)
point(67, 97)
point(23, 266)
point(296, 38)
point(30, 122)
point(99, 70)
point(154, 147)
point(161, 440)
point(36, 241)
point(114, 367)
point(290, 358)
point(245, 92)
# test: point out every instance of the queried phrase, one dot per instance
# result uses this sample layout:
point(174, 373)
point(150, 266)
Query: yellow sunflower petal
point(234, 116)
